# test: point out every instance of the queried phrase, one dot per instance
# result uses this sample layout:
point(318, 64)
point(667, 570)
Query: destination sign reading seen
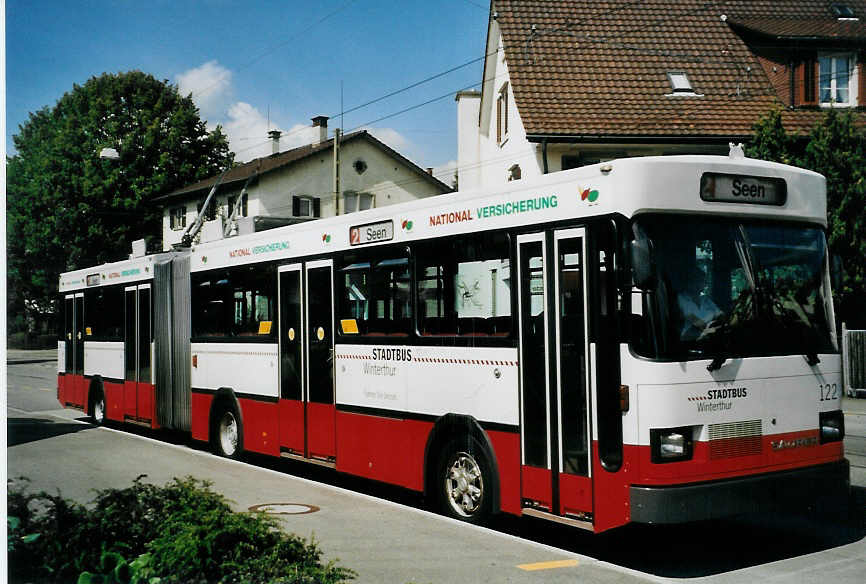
point(732, 188)
point(371, 233)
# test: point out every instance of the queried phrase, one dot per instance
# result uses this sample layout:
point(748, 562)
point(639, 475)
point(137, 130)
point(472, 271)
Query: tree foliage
point(67, 208)
point(836, 148)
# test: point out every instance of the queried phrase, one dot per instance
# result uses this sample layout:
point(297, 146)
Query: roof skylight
point(680, 82)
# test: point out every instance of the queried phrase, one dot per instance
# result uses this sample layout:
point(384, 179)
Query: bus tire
point(464, 482)
point(96, 407)
point(227, 431)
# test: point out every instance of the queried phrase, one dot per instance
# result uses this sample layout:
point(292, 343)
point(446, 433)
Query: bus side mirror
point(642, 264)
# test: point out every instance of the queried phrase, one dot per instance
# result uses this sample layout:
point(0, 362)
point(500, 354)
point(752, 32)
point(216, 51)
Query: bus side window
point(375, 293)
point(464, 287)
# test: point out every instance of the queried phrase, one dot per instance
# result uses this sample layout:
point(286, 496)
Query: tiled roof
point(237, 175)
point(799, 18)
point(599, 68)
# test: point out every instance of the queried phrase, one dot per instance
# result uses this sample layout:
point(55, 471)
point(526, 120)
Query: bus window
point(375, 293)
point(464, 287)
point(238, 302)
point(104, 309)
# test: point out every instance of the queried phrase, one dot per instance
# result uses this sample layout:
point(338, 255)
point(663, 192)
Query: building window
point(836, 80)
point(177, 218)
point(502, 115)
point(306, 206)
point(210, 214)
point(242, 212)
point(354, 201)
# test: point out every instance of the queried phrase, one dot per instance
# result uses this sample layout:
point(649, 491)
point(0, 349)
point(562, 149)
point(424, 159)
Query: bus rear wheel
point(464, 482)
point(227, 433)
point(97, 407)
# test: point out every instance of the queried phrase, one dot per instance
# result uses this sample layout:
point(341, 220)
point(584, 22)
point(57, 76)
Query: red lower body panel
point(611, 490)
point(321, 430)
point(200, 416)
point(506, 449)
point(113, 400)
point(383, 449)
point(536, 485)
point(575, 494)
point(260, 426)
point(292, 426)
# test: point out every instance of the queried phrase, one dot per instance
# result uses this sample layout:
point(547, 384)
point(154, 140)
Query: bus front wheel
point(464, 482)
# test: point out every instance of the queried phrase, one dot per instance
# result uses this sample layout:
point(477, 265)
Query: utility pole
point(337, 171)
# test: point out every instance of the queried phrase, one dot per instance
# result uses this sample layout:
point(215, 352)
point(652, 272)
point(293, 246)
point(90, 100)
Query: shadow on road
point(24, 430)
point(705, 548)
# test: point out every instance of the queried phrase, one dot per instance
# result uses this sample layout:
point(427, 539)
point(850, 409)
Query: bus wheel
point(227, 433)
point(97, 407)
point(464, 482)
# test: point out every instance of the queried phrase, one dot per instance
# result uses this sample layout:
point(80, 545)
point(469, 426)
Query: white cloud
point(211, 88)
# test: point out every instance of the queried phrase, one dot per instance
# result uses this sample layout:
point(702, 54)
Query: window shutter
point(296, 206)
point(861, 78)
point(317, 207)
point(806, 79)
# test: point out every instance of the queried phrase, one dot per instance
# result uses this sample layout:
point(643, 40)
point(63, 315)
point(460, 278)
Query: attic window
point(680, 84)
point(843, 12)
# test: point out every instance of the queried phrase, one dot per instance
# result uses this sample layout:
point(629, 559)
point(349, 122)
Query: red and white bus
point(646, 340)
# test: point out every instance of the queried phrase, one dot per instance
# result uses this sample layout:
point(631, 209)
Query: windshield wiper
point(812, 358)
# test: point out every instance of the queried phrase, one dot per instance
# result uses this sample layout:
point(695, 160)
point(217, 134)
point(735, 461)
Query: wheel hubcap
point(228, 433)
point(464, 485)
point(99, 410)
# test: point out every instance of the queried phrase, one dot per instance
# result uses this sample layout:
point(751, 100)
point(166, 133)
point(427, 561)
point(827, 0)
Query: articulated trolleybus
point(647, 340)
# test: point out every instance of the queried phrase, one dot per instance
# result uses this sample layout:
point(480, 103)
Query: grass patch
point(182, 531)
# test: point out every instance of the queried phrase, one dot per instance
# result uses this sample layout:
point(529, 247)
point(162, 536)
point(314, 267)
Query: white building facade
point(298, 185)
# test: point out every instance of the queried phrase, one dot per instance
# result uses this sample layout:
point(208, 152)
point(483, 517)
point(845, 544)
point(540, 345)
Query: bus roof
point(628, 186)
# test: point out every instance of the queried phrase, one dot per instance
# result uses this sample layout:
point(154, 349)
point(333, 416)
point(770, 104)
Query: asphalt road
point(385, 535)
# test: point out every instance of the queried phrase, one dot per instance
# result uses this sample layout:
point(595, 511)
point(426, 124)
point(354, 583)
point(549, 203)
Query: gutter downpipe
point(544, 154)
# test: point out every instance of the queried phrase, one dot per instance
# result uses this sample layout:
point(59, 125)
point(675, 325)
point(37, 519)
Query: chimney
point(275, 141)
point(320, 122)
point(430, 170)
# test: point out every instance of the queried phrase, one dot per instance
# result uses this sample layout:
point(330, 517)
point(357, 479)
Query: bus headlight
point(832, 425)
point(671, 444)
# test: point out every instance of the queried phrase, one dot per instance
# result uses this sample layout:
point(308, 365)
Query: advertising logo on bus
point(589, 196)
point(529, 205)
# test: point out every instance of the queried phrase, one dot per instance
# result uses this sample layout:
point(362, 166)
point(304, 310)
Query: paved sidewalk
point(14, 356)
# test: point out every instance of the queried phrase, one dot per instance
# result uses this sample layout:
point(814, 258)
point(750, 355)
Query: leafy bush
point(180, 532)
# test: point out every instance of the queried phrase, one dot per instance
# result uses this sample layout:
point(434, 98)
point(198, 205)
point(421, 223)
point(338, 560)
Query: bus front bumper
point(792, 490)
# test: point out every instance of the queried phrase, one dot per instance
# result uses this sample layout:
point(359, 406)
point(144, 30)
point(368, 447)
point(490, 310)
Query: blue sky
point(245, 62)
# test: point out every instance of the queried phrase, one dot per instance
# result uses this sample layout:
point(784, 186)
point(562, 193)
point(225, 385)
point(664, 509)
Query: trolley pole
point(337, 132)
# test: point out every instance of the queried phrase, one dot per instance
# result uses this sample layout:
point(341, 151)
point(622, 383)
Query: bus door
point(307, 410)
point(291, 335)
point(137, 378)
point(554, 384)
point(74, 384)
point(319, 352)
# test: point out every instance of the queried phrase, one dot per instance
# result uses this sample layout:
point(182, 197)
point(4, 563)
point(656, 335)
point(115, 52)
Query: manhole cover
point(284, 508)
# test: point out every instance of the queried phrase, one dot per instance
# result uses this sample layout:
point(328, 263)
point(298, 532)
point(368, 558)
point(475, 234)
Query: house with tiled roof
point(297, 185)
point(568, 83)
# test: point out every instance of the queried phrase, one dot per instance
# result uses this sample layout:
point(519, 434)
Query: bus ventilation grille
point(735, 439)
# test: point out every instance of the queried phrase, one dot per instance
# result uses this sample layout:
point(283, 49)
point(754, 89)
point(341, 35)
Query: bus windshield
point(726, 288)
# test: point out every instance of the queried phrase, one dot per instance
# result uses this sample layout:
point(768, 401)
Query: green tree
point(67, 208)
point(836, 148)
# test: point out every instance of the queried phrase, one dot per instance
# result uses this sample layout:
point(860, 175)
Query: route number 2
point(828, 391)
